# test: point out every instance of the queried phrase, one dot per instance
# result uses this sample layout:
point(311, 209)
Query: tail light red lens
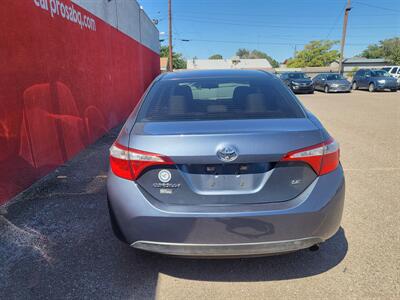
point(323, 158)
point(130, 163)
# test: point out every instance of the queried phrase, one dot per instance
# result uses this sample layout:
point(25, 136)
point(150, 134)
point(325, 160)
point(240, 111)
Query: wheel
point(371, 87)
point(393, 90)
point(354, 86)
point(326, 89)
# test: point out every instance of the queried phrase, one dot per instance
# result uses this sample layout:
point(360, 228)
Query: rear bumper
point(312, 217)
point(340, 89)
point(302, 89)
point(223, 250)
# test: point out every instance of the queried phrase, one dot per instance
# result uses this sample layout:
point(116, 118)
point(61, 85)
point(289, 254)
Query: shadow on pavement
point(56, 242)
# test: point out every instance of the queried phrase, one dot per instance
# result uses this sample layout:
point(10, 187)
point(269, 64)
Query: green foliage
point(373, 51)
point(389, 49)
point(260, 54)
point(178, 62)
point(164, 50)
point(244, 53)
point(352, 72)
point(315, 54)
point(216, 56)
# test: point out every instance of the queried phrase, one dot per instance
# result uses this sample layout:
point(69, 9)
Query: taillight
point(323, 158)
point(130, 163)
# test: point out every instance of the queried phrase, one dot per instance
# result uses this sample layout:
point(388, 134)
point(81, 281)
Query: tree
point(389, 49)
point(244, 53)
point(216, 56)
point(315, 54)
point(352, 72)
point(260, 54)
point(372, 51)
point(164, 51)
point(178, 62)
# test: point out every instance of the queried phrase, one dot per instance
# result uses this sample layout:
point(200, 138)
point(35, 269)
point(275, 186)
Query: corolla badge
point(227, 153)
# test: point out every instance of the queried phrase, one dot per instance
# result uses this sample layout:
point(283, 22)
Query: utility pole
point(171, 68)
point(346, 16)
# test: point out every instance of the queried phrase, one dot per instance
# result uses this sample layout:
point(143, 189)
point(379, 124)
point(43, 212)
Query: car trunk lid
point(199, 177)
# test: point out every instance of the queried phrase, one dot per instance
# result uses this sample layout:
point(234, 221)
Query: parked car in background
point(298, 82)
point(374, 80)
point(224, 163)
point(394, 71)
point(331, 82)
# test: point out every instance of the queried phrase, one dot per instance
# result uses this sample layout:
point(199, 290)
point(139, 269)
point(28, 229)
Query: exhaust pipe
point(314, 247)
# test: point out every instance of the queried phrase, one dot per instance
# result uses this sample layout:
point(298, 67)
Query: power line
point(297, 16)
point(376, 6)
point(336, 22)
point(256, 42)
point(197, 20)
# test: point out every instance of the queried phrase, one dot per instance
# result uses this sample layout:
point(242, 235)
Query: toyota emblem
point(227, 153)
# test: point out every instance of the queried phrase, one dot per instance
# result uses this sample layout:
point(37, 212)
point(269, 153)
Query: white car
point(394, 71)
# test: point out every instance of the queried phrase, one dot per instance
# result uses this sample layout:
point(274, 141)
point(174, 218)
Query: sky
point(276, 27)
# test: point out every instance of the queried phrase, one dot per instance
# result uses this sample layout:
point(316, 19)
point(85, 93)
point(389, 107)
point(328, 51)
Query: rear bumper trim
point(241, 249)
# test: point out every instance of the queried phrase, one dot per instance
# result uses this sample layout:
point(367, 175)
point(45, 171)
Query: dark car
point(331, 82)
point(224, 163)
point(374, 80)
point(298, 82)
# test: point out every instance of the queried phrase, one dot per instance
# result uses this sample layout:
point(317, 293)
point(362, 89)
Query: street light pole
point(346, 16)
point(170, 65)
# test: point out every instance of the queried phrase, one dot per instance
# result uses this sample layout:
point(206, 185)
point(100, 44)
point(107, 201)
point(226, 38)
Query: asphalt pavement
point(56, 241)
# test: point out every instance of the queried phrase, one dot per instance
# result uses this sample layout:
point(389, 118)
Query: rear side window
point(218, 99)
point(379, 73)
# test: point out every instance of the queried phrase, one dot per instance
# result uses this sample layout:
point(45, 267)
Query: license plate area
point(214, 179)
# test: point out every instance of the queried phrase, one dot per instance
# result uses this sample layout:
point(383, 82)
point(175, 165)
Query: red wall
point(61, 88)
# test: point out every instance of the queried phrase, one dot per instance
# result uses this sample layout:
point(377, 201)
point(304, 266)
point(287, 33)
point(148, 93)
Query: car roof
point(214, 73)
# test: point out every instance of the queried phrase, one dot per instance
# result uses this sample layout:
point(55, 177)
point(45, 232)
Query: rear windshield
point(297, 76)
point(334, 77)
point(218, 99)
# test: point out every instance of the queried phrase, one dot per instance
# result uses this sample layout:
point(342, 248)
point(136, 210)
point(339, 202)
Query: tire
point(393, 90)
point(354, 86)
point(326, 89)
point(312, 92)
point(371, 87)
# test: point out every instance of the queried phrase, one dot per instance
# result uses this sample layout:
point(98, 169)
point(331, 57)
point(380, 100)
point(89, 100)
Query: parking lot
point(56, 240)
